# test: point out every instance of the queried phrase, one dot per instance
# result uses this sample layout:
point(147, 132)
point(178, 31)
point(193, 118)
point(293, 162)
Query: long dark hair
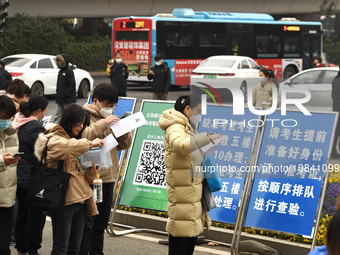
point(34, 103)
point(73, 114)
point(333, 235)
point(184, 101)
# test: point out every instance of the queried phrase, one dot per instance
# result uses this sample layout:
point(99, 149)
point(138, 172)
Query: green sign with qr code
point(144, 183)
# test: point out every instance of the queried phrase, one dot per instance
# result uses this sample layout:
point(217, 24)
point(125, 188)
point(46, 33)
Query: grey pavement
point(132, 244)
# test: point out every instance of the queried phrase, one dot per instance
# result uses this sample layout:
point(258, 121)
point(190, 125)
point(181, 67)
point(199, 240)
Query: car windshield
point(218, 63)
point(16, 62)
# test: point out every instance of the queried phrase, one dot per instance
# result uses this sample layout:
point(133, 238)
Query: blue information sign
point(291, 166)
point(231, 156)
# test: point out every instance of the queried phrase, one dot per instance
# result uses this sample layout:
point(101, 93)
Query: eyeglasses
point(107, 107)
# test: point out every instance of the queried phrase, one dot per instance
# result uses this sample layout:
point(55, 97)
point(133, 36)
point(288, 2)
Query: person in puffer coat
point(182, 145)
point(8, 177)
point(65, 144)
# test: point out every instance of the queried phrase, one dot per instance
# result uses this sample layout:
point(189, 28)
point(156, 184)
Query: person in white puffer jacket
point(8, 176)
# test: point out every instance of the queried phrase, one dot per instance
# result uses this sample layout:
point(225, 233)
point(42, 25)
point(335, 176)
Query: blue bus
point(185, 38)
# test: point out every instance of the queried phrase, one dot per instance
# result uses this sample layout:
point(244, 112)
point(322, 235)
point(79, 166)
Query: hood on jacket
point(64, 60)
point(42, 139)
point(88, 107)
point(170, 117)
point(20, 120)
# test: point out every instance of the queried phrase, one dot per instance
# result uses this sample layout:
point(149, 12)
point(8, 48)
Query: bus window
point(132, 36)
point(268, 46)
point(291, 46)
point(178, 39)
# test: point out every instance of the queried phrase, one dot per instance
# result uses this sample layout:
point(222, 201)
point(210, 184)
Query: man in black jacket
point(336, 108)
point(160, 73)
point(119, 74)
point(5, 77)
point(66, 86)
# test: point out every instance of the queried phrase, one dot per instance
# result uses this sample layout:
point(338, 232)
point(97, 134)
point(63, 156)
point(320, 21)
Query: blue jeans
point(60, 109)
point(68, 227)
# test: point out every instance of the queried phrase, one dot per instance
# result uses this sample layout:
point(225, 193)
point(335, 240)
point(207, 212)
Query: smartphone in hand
point(18, 154)
point(124, 115)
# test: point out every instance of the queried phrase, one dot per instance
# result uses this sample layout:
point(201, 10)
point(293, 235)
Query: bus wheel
point(289, 71)
point(244, 91)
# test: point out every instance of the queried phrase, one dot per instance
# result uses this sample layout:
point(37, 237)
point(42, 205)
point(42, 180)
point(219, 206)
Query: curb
point(218, 234)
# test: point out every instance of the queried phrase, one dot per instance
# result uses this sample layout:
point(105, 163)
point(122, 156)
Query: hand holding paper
point(128, 124)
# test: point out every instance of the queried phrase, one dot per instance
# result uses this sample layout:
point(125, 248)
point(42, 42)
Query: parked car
point(40, 73)
point(318, 81)
point(224, 71)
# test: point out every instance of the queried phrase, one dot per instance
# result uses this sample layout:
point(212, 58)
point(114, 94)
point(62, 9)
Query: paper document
point(128, 124)
point(109, 143)
point(46, 120)
point(210, 148)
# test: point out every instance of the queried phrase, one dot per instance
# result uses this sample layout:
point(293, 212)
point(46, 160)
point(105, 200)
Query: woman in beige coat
point(182, 145)
point(8, 176)
point(64, 144)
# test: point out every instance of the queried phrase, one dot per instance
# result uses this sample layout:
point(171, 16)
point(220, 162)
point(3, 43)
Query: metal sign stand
point(246, 192)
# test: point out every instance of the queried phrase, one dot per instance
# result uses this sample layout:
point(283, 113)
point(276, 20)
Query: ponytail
point(24, 109)
point(34, 103)
point(183, 101)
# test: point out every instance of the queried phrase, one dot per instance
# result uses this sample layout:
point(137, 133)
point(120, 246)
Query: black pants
point(6, 222)
point(29, 225)
point(93, 237)
point(181, 245)
point(68, 227)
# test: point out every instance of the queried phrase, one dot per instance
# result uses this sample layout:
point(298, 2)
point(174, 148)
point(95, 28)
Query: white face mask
point(104, 112)
point(119, 60)
point(158, 63)
point(195, 118)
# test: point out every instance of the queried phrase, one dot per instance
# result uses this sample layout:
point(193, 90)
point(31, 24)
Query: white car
point(225, 71)
point(318, 81)
point(40, 73)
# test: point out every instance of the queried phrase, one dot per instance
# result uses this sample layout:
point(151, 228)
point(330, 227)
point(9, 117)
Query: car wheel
point(244, 91)
point(83, 90)
point(37, 89)
point(289, 71)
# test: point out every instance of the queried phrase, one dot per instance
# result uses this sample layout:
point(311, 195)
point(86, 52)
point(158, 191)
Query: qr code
point(151, 169)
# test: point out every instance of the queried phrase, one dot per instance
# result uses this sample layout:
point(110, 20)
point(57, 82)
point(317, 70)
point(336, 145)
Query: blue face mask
point(263, 80)
point(4, 124)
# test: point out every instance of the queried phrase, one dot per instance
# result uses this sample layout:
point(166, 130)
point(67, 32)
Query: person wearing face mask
point(262, 93)
point(119, 74)
point(104, 100)
point(161, 79)
point(19, 92)
point(186, 216)
point(30, 222)
point(8, 177)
